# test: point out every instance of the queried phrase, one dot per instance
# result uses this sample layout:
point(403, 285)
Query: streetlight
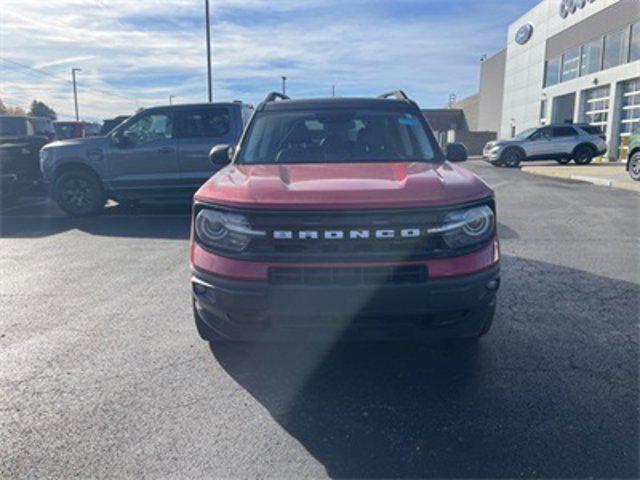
point(206, 2)
point(284, 85)
point(75, 91)
point(171, 97)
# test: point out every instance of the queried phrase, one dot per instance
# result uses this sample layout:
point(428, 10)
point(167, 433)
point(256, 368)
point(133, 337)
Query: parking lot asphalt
point(102, 373)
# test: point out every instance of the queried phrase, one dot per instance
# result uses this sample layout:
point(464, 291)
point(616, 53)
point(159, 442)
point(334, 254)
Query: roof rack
point(397, 94)
point(273, 96)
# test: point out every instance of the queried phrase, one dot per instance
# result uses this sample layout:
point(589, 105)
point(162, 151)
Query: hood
point(508, 141)
point(374, 185)
point(80, 142)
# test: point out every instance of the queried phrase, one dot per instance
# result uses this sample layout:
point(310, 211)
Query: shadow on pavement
point(42, 218)
point(552, 391)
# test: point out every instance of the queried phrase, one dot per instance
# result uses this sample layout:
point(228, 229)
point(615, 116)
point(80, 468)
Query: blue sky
point(136, 53)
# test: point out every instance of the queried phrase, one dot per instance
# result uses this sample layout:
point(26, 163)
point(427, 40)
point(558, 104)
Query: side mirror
point(456, 152)
point(221, 155)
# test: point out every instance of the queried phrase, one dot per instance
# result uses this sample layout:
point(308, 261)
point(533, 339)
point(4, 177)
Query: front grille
point(347, 276)
point(347, 249)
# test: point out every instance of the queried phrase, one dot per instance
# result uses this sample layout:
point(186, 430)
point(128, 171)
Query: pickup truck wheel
point(79, 193)
point(634, 166)
point(583, 156)
point(511, 158)
point(563, 161)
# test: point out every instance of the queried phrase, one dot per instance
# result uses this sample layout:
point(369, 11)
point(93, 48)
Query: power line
point(45, 73)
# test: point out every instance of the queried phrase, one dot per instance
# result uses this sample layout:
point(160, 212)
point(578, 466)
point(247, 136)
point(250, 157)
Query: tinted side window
point(540, 134)
point(591, 130)
point(203, 123)
point(563, 132)
point(149, 128)
point(10, 126)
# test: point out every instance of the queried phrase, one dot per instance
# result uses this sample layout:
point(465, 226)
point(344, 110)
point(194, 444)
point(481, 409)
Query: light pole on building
point(206, 2)
point(284, 85)
point(171, 97)
point(75, 92)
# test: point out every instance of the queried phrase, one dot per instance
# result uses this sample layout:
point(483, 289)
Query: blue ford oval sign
point(524, 34)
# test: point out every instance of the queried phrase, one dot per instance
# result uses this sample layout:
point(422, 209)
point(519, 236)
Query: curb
point(599, 181)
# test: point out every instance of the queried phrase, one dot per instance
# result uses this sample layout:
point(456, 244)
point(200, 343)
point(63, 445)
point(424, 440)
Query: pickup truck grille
point(389, 235)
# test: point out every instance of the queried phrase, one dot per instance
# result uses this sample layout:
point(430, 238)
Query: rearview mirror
point(221, 155)
point(456, 152)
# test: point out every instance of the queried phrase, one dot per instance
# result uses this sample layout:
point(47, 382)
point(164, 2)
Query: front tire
point(634, 167)
point(79, 193)
point(583, 155)
point(512, 158)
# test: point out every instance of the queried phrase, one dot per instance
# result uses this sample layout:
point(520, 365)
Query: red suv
point(340, 216)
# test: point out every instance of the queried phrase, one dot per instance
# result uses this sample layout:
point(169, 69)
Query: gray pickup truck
point(159, 153)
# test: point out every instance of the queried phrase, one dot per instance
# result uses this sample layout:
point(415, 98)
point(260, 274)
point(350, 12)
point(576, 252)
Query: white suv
point(562, 143)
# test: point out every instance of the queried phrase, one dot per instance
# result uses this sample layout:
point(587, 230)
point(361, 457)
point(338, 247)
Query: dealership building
point(565, 61)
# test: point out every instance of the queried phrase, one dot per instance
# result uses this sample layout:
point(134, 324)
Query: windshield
point(11, 126)
point(525, 133)
point(336, 136)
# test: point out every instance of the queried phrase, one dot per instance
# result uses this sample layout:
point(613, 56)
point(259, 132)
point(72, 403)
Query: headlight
point(227, 232)
point(467, 227)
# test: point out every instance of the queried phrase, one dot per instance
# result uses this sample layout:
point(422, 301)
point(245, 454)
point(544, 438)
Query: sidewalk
point(606, 175)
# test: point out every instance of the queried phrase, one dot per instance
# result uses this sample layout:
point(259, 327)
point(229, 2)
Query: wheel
point(583, 155)
point(486, 321)
point(563, 161)
point(634, 166)
point(206, 333)
point(512, 158)
point(79, 193)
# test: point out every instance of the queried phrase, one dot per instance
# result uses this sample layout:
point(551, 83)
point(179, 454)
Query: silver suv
point(563, 143)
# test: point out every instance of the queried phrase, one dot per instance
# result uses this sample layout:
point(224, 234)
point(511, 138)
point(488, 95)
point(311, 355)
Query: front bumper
point(253, 310)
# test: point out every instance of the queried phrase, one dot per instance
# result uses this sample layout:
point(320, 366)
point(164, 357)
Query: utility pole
point(171, 97)
point(284, 85)
point(208, 51)
point(75, 91)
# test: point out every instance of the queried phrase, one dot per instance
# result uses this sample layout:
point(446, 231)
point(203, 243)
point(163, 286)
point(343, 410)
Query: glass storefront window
point(571, 64)
point(630, 114)
point(595, 107)
point(552, 75)
point(616, 47)
point(591, 57)
point(634, 53)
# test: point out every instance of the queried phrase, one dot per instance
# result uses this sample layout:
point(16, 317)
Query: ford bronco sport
point(342, 215)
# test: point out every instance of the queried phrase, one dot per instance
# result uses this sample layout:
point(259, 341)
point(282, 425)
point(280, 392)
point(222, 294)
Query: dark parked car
point(21, 138)
point(159, 153)
point(66, 130)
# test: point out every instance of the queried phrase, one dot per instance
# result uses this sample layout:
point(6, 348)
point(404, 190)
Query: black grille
point(321, 250)
point(347, 276)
